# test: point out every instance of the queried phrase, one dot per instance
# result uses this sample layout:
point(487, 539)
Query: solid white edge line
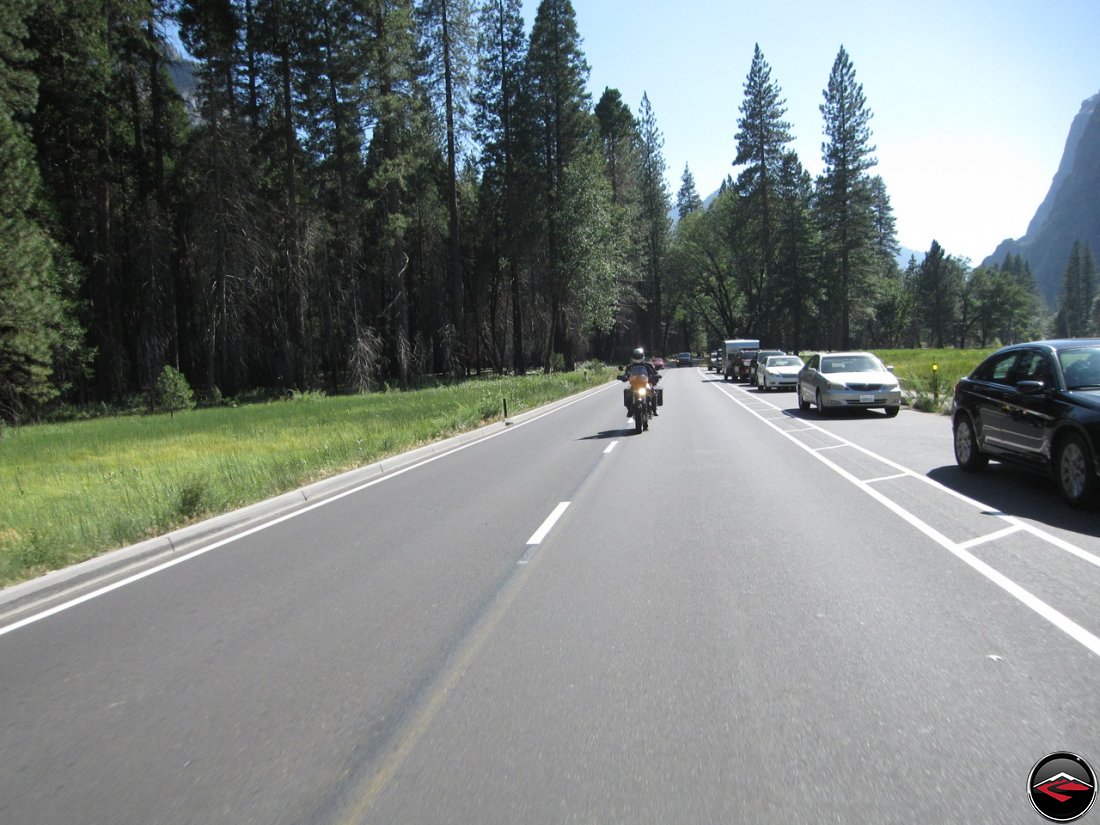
point(1055, 617)
point(102, 591)
point(547, 525)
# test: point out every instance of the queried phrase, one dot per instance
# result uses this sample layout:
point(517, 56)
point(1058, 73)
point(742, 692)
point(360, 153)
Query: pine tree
point(1078, 294)
point(226, 230)
point(687, 199)
point(845, 190)
point(501, 50)
point(762, 137)
point(446, 24)
point(796, 256)
point(655, 204)
point(619, 140)
point(557, 80)
point(108, 128)
point(34, 322)
point(938, 288)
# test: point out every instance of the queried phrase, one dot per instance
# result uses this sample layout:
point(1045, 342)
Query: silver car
point(779, 372)
point(847, 380)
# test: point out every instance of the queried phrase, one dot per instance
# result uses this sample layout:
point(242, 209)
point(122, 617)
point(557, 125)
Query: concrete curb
point(115, 565)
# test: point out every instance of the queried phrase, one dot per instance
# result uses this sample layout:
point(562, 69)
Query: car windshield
point(851, 363)
point(789, 361)
point(1081, 367)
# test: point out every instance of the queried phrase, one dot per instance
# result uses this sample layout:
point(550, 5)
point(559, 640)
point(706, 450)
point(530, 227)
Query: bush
point(172, 392)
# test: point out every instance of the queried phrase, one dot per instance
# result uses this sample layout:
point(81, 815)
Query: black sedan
point(1037, 404)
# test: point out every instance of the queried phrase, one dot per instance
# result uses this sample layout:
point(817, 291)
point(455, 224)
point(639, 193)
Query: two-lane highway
point(746, 614)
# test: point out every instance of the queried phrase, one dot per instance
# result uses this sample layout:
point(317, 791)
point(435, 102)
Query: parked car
point(658, 363)
point(756, 364)
point(1035, 404)
point(847, 380)
point(779, 372)
point(684, 359)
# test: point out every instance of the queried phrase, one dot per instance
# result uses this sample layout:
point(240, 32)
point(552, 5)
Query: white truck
point(734, 355)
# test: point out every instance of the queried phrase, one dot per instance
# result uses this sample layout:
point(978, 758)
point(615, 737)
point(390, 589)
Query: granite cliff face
point(1070, 211)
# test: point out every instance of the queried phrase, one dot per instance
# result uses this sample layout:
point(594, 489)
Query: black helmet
point(638, 355)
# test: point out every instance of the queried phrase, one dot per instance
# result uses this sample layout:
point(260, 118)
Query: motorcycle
point(642, 400)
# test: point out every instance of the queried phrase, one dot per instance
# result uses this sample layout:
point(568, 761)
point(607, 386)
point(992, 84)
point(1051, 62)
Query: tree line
point(362, 193)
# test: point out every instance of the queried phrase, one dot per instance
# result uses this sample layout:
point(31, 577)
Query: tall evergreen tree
point(446, 24)
point(35, 322)
point(796, 255)
point(939, 285)
point(225, 227)
point(501, 57)
point(107, 128)
point(620, 146)
point(845, 192)
point(557, 80)
point(1078, 294)
point(762, 137)
point(687, 198)
point(619, 141)
point(398, 113)
point(656, 225)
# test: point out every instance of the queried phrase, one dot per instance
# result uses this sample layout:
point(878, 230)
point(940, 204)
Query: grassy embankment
point(71, 491)
point(913, 367)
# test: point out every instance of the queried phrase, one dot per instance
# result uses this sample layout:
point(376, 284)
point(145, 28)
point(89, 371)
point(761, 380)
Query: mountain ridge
point(1069, 212)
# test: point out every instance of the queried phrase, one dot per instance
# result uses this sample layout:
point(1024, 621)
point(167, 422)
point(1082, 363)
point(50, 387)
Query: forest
point(355, 195)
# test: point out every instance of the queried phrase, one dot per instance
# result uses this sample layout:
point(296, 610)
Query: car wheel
point(1074, 471)
point(820, 407)
point(892, 411)
point(967, 454)
point(803, 404)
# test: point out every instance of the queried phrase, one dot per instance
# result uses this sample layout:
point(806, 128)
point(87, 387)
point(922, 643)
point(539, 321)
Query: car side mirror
point(1030, 387)
point(889, 368)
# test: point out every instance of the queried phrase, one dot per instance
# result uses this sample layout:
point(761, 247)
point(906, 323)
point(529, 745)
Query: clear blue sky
point(972, 99)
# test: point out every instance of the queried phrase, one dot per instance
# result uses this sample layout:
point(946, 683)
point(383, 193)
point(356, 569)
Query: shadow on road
point(606, 434)
point(1016, 491)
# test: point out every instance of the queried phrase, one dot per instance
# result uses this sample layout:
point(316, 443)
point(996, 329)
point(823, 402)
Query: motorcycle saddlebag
point(660, 396)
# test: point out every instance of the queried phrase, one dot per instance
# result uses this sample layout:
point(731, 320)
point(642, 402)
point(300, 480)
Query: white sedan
point(847, 380)
point(780, 372)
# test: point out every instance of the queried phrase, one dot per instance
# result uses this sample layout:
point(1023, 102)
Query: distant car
point(1035, 404)
point(780, 372)
point(715, 362)
point(757, 362)
point(845, 381)
point(658, 363)
point(684, 359)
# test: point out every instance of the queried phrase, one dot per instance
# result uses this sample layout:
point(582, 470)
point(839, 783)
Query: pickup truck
point(733, 358)
point(739, 366)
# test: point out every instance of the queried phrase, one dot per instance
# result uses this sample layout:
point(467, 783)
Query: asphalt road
point(746, 614)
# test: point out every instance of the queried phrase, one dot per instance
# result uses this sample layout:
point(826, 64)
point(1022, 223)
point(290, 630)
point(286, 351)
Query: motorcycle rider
point(638, 359)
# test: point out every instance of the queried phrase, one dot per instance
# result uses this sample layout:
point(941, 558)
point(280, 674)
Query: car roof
point(1055, 344)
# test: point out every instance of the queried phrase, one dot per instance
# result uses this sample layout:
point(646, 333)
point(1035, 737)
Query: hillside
point(1069, 212)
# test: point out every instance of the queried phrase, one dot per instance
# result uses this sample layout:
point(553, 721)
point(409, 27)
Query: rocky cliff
point(1070, 211)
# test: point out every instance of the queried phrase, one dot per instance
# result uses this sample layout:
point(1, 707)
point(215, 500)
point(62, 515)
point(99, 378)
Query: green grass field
point(928, 389)
point(71, 491)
